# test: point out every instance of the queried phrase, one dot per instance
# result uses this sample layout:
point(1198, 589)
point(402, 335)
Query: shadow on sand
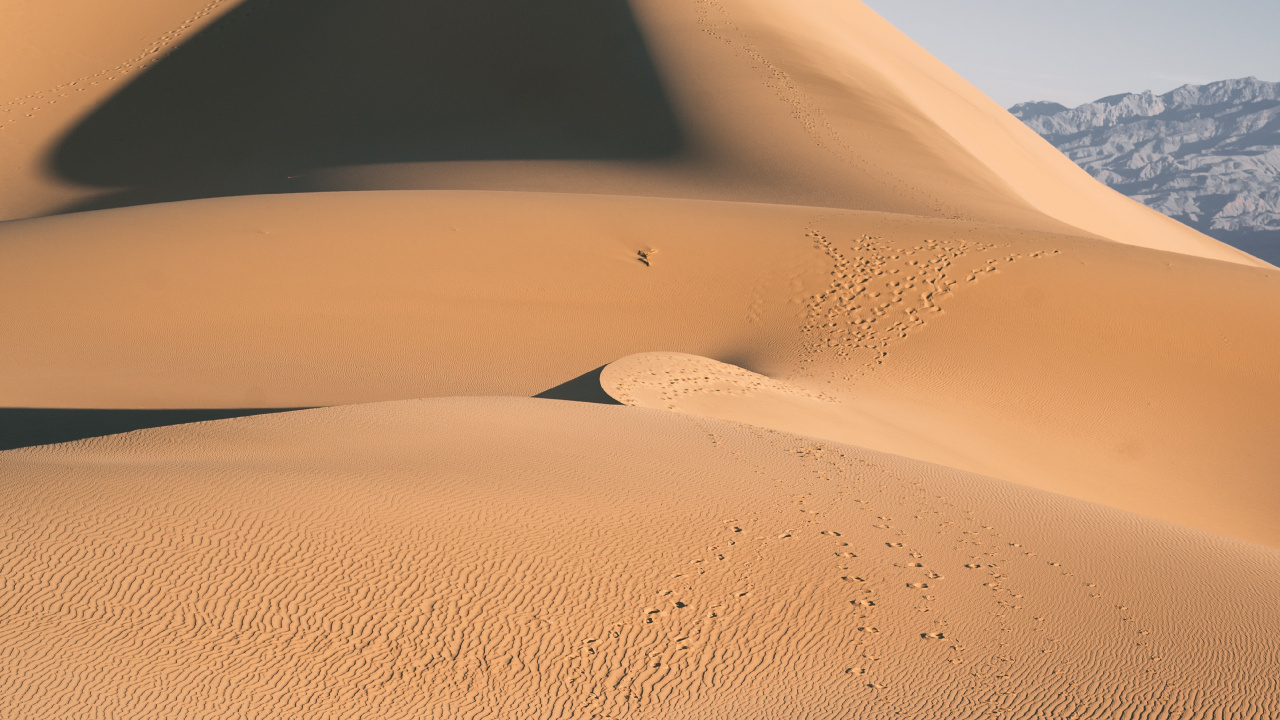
point(25, 427)
point(279, 87)
point(584, 388)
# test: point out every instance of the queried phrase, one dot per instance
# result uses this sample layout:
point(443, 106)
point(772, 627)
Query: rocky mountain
point(1207, 155)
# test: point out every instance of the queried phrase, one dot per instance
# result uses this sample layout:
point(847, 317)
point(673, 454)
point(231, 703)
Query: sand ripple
point(517, 558)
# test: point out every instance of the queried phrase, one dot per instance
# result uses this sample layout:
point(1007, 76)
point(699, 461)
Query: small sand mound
point(696, 385)
point(673, 380)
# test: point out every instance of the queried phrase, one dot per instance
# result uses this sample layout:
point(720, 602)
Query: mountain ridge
point(1206, 155)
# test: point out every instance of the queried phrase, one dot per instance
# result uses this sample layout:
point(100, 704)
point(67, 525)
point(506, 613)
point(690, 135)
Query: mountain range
point(1207, 155)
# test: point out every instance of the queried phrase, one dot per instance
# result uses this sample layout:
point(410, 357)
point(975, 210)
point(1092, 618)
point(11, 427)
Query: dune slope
point(497, 557)
point(1120, 375)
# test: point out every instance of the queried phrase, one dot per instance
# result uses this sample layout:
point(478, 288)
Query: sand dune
point(666, 358)
point(507, 557)
point(810, 103)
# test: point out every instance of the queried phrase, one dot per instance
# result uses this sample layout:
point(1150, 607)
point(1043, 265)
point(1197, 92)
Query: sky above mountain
point(1077, 52)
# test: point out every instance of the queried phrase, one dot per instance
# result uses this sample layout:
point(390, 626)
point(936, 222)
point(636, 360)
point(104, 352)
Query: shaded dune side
point(276, 88)
point(495, 557)
point(584, 388)
point(26, 427)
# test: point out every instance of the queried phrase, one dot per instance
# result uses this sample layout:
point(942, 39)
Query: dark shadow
point(743, 359)
point(25, 427)
point(584, 388)
point(280, 87)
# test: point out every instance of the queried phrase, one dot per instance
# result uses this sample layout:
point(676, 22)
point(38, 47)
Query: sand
point(729, 358)
point(514, 557)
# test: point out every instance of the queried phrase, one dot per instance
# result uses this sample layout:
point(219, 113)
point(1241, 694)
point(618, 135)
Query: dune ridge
point(809, 103)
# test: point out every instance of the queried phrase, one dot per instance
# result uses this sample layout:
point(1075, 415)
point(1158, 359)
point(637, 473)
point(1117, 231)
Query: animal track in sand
point(879, 294)
point(29, 105)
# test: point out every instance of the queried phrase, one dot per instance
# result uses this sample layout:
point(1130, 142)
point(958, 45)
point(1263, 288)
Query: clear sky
point(1076, 51)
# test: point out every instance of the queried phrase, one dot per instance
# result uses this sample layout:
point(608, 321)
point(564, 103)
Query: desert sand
point(664, 358)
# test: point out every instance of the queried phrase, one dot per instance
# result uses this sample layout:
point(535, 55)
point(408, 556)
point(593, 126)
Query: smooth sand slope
point(854, 399)
point(1121, 375)
point(489, 557)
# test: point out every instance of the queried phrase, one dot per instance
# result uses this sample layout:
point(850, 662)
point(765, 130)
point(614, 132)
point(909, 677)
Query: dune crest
point(815, 102)
point(701, 386)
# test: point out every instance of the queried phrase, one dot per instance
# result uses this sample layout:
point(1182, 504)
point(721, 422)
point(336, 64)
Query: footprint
point(933, 636)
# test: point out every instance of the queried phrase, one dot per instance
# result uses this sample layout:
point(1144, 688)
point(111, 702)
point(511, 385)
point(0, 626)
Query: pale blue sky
point(1076, 51)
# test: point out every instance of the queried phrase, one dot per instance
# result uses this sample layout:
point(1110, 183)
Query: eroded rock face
point(1207, 155)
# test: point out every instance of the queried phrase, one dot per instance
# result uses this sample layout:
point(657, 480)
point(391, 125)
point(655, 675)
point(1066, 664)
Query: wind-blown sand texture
point(667, 358)
point(524, 558)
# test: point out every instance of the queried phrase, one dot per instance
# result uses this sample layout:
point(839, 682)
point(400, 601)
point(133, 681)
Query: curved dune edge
point(482, 557)
point(810, 102)
point(701, 386)
point(1036, 358)
point(847, 43)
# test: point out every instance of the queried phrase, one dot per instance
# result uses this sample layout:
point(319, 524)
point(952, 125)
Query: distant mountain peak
point(1207, 155)
point(1034, 109)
